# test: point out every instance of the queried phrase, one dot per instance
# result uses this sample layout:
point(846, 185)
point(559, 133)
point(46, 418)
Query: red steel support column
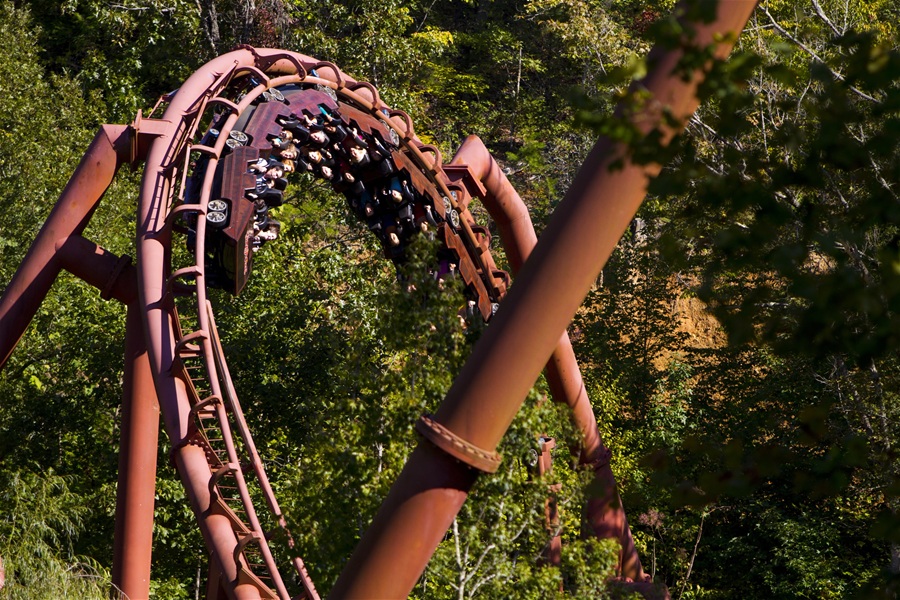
point(487, 394)
point(552, 553)
point(604, 512)
point(71, 214)
point(133, 539)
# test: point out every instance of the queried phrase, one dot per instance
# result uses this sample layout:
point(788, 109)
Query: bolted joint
point(457, 447)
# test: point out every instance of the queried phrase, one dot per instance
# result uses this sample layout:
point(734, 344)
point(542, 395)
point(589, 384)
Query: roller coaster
point(218, 154)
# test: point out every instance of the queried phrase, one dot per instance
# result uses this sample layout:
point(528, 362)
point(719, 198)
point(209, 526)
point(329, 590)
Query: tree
point(778, 204)
point(121, 54)
point(41, 518)
point(761, 465)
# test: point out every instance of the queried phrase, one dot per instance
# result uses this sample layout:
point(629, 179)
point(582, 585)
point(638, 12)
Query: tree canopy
point(740, 348)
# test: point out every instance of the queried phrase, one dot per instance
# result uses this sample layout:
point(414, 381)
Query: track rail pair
point(213, 449)
point(172, 339)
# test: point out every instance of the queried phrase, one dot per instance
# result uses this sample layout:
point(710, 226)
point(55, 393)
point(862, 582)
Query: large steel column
point(69, 217)
point(132, 542)
point(133, 539)
point(487, 394)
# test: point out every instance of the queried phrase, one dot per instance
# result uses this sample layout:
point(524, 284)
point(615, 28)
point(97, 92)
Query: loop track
point(216, 186)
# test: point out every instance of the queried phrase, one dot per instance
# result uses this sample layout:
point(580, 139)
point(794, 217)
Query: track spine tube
point(508, 211)
point(164, 147)
point(153, 240)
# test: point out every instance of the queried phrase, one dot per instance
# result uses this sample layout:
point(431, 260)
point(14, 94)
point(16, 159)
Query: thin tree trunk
point(693, 556)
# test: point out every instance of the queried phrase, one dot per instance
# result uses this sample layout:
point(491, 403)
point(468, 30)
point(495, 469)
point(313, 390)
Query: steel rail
point(161, 198)
point(154, 257)
point(211, 361)
point(462, 436)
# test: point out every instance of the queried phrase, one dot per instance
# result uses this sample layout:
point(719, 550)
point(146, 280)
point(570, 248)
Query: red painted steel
point(565, 263)
point(113, 275)
point(136, 489)
point(59, 245)
point(200, 470)
point(23, 296)
point(480, 405)
point(605, 513)
point(552, 553)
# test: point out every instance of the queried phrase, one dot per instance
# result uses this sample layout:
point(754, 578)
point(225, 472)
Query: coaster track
point(214, 165)
point(246, 108)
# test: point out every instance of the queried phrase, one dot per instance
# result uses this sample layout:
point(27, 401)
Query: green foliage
point(38, 113)
point(120, 52)
point(777, 213)
point(40, 517)
point(758, 466)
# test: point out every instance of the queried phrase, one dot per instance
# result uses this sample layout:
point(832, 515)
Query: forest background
point(741, 352)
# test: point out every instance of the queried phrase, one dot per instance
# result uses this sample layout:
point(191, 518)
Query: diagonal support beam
point(71, 214)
